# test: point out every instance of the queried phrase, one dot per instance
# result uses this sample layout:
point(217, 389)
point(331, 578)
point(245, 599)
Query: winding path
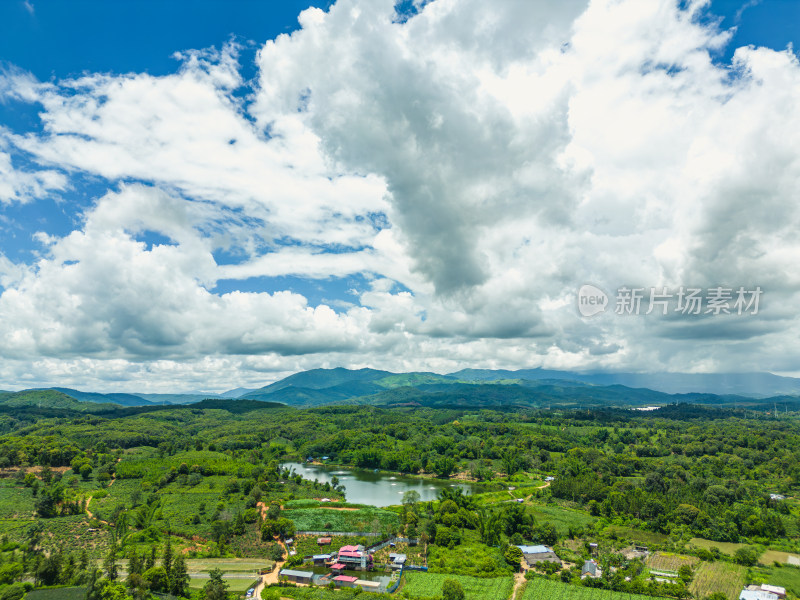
point(271, 577)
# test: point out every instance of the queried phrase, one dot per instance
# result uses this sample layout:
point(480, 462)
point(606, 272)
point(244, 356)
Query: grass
point(562, 518)
point(544, 589)
point(471, 557)
point(326, 519)
point(239, 584)
point(636, 535)
point(772, 556)
point(728, 548)
point(787, 577)
point(420, 584)
point(718, 577)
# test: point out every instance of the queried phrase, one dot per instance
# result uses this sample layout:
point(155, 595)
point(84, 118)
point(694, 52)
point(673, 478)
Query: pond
point(378, 489)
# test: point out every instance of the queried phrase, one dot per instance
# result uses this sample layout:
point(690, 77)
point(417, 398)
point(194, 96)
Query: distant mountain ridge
point(480, 388)
point(756, 385)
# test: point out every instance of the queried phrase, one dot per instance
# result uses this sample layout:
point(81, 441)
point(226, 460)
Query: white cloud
point(489, 157)
point(18, 185)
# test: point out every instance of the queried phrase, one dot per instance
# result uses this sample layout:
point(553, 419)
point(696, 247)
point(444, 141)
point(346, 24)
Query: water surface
point(378, 489)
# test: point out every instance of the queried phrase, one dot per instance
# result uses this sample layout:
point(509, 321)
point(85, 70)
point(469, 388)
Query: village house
point(534, 555)
point(355, 557)
point(763, 592)
point(591, 569)
point(297, 576)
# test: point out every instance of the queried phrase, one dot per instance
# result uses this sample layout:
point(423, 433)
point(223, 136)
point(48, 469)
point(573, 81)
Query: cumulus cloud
point(476, 163)
point(20, 185)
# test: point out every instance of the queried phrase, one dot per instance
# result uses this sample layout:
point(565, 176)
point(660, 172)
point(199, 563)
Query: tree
point(444, 466)
point(411, 498)
point(150, 561)
point(110, 564)
point(216, 588)
point(452, 590)
point(166, 560)
point(49, 570)
point(179, 582)
point(510, 461)
point(513, 556)
point(745, 556)
point(86, 471)
point(156, 578)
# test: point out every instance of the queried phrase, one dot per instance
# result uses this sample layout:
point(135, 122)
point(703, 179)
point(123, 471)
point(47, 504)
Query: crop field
point(121, 492)
point(636, 535)
point(64, 593)
point(421, 584)
point(327, 519)
point(545, 589)
point(718, 577)
point(562, 518)
point(307, 593)
point(236, 584)
point(729, 548)
point(665, 561)
point(151, 467)
point(16, 501)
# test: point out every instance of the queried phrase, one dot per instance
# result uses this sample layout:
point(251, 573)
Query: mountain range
point(480, 388)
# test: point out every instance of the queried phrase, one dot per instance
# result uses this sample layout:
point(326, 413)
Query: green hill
point(49, 399)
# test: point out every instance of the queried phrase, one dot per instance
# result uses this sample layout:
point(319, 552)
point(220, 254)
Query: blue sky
point(190, 199)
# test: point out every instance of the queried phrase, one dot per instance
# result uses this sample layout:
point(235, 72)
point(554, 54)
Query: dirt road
point(270, 578)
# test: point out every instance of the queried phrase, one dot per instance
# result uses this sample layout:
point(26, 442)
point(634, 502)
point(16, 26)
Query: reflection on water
point(379, 489)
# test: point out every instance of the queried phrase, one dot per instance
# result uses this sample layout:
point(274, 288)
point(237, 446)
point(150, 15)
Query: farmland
point(563, 518)
point(64, 593)
point(332, 519)
point(664, 561)
point(544, 589)
point(728, 548)
point(420, 584)
point(223, 495)
point(772, 556)
point(787, 577)
point(718, 577)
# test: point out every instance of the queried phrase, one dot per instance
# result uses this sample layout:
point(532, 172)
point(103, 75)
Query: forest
point(130, 502)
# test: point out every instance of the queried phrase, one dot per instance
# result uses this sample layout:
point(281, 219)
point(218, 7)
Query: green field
point(470, 557)
point(636, 535)
point(65, 593)
point(562, 518)
point(718, 577)
point(328, 519)
point(425, 585)
point(787, 577)
point(729, 548)
point(234, 585)
point(545, 589)
point(16, 501)
point(772, 556)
